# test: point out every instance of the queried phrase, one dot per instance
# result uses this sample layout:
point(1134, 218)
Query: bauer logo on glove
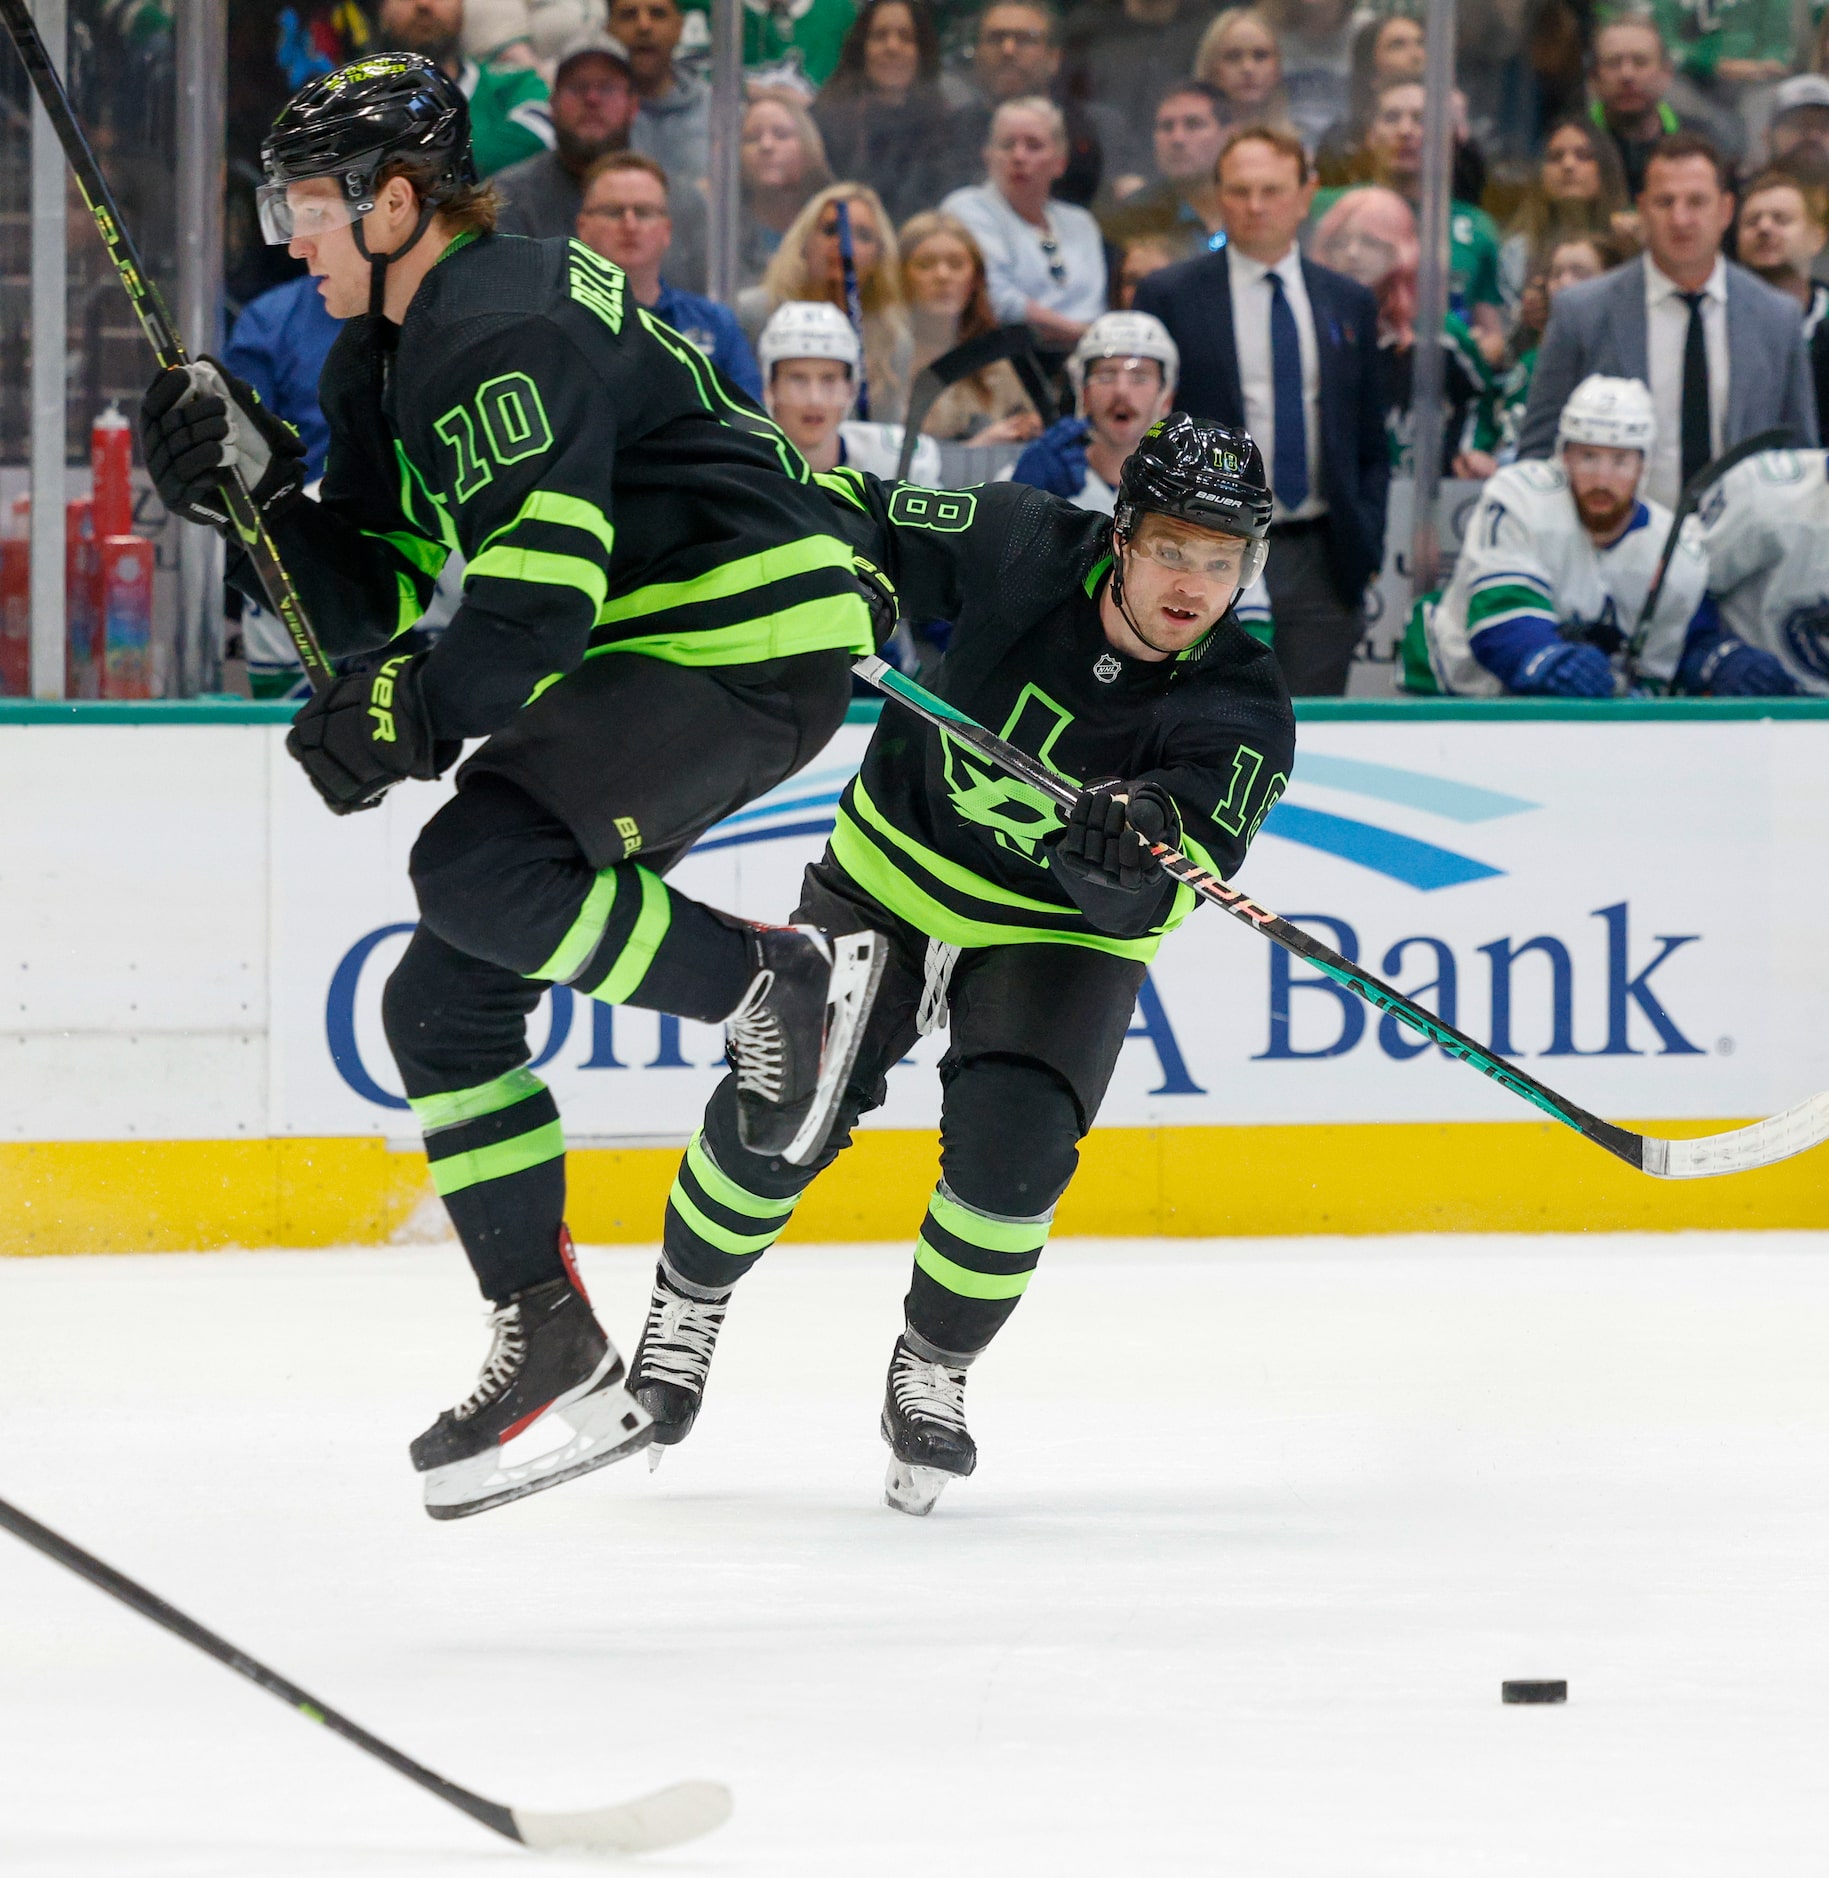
point(368, 731)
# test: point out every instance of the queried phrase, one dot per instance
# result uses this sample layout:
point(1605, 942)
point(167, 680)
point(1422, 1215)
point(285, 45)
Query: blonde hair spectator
point(809, 266)
point(1239, 57)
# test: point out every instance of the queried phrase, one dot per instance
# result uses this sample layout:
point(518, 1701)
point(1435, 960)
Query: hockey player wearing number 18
point(657, 625)
point(1107, 647)
point(1554, 570)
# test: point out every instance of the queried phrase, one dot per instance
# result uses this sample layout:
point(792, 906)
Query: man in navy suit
point(1273, 344)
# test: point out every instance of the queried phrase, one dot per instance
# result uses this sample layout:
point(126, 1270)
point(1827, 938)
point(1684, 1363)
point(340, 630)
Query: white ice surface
point(1239, 1601)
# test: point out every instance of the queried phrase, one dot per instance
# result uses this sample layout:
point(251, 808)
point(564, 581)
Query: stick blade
point(669, 1816)
point(1759, 1144)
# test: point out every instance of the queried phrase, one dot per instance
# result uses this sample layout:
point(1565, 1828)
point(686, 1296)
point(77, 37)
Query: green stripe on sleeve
point(428, 556)
point(408, 612)
point(995, 1235)
point(738, 1245)
point(726, 1192)
point(840, 622)
point(550, 505)
point(965, 1283)
point(468, 1105)
point(541, 569)
point(581, 941)
point(651, 925)
point(498, 1160)
point(749, 571)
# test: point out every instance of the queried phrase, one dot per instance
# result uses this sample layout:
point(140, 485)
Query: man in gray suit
point(1723, 353)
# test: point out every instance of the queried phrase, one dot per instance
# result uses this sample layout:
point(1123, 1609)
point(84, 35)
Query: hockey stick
point(1694, 490)
point(1739, 1149)
point(854, 301)
point(156, 323)
point(667, 1817)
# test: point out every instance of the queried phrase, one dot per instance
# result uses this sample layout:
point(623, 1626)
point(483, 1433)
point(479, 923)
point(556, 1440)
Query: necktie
point(1289, 473)
point(1696, 443)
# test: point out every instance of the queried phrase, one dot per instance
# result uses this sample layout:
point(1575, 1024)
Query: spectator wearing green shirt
point(1728, 43)
point(508, 115)
point(1394, 145)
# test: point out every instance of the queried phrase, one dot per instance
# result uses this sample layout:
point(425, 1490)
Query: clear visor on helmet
point(304, 210)
point(1208, 556)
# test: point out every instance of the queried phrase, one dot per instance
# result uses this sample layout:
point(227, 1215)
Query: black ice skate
point(673, 1359)
point(924, 1424)
point(792, 1040)
point(550, 1405)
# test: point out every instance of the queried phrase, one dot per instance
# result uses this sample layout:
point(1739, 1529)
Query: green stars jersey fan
point(609, 491)
point(1766, 534)
point(1527, 568)
point(960, 850)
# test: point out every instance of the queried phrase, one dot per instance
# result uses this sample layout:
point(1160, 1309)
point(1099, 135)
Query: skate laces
point(758, 1044)
point(928, 1392)
point(502, 1364)
point(681, 1334)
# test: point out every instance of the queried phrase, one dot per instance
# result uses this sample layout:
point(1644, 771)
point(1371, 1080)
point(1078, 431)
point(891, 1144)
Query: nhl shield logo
point(1107, 666)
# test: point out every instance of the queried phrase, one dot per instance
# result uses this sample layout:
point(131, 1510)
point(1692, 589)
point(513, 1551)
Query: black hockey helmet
point(1206, 475)
point(395, 106)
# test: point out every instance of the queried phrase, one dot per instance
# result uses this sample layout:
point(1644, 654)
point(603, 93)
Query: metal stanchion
point(50, 418)
point(1426, 380)
point(202, 41)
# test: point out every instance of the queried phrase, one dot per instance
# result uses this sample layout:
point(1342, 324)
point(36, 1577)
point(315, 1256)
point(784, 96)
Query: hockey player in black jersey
point(1107, 647)
point(657, 623)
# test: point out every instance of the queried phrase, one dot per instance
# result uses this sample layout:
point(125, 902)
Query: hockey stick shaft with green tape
point(1774, 1139)
point(157, 324)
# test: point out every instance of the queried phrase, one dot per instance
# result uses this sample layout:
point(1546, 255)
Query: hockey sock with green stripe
point(728, 1206)
point(497, 1155)
point(636, 941)
point(970, 1268)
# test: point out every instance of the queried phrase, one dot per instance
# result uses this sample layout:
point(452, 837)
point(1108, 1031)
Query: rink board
point(1631, 901)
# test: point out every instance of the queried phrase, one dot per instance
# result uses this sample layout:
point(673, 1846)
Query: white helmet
point(1613, 412)
point(808, 329)
point(1124, 336)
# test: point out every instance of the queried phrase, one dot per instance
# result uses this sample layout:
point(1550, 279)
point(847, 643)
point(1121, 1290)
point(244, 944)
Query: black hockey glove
point(367, 732)
point(879, 596)
point(197, 423)
point(1107, 838)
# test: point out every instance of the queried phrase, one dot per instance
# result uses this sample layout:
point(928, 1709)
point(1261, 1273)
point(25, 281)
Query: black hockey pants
point(529, 877)
point(1034, 1033)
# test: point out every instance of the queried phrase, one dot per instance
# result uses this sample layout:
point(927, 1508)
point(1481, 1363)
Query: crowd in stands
point(1215, 209)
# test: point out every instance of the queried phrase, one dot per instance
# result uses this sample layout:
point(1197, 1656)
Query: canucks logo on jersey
point(1805, 633)
point(1018, 817)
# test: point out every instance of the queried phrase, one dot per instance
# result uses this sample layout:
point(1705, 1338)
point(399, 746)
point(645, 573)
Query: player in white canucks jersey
point(1554, 569)
point(1766, 532)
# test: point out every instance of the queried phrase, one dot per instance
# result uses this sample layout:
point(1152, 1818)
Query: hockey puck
point(1515, 1692)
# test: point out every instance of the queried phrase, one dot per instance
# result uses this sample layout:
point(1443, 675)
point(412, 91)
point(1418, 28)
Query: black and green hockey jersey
point(962, 851)
point(609, 491)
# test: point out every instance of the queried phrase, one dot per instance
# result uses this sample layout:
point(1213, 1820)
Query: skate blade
point(655, 1455)
point(857, 970)
point(606, 1425)
point(912, 1489)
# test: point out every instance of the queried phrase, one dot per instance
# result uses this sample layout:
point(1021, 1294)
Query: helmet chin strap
point(378, 264)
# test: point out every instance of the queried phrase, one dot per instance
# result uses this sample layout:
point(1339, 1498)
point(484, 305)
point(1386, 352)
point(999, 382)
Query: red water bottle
point(111, 460)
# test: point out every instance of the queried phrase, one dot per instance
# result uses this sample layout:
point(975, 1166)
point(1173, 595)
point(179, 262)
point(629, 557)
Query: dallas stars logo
point(1017, 816)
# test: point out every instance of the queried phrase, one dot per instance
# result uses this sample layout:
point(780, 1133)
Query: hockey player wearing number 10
point(657, 626)
point(1107, 647)
point(1554, 569)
